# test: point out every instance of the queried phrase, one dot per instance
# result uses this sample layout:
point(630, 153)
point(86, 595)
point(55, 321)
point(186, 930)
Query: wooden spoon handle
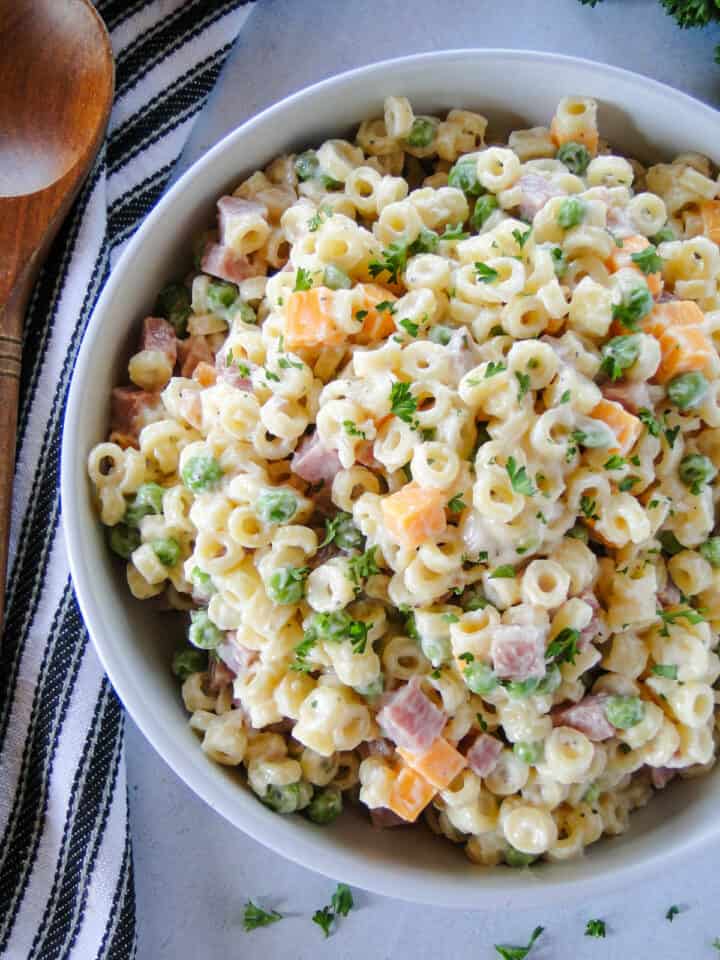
point(11, 320)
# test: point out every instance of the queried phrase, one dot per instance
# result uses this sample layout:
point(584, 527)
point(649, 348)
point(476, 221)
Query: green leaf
point(504, 572)
point(255, 917)
point(672, 912)
point(363, 566)
point(411, 327)
point(565, 398)
point(521, 238)
point(402, 403)
point(595, 928)
point(523, 380)
point(352, 431)
point(619, 354)
point(627, 483)
point(342, 900)
point(648, 260)
point(588, 507)
point(564, 648)
point(519, 479)
point(647, 417)
point(324, 919)
point(393, 261)
point(634, 306)
point(615, 462)
point(667, 670)
point(484, 273)
point(303, 280)
point(518, 953)
point(456, 504)
point(494, 368)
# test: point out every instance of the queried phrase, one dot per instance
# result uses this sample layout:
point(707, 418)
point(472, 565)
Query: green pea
point(288, 799)
point(123, 540)
point(514, 858)
point(307, 165)
point(173, 303)
point(345, 534)
point(276, 506)
point(186, 662)
point(624, 712)
point(202, 582)
point(619, 354)
point(203, 633)
point(333, 626)
point(594, 434)
point(484, 208)
point(463, 176)
point(201, 473)
point(551, 681)
point(479, 677)
point(224, 300)
point(287, 585)
point(147, 500)
point(688, 390)
point(575, 157)
point(440, 334)
point(669, 542)
point(167, 550)
point(528, 752)
point(473, 599)
point(325, 806)
point(711, 551)
point(571, 212)
point(695, 471)
point(422, 132)
point(335, 278)
point(436, 649)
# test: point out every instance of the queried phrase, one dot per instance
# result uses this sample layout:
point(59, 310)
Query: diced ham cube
point(132, 409)
point(588, 633)
point(588, 717)
point(410, 719)
point(632, 395)
point(518, 652)
point(669, 595)
point(220, 261)
point(314, 462)
point(158, 334)
point(236, 657)
point(483, 755)
point(219, 675)
point(536, 191)
point(191, 352)
point(231, 207)
point(660, 777)
point(382, 818)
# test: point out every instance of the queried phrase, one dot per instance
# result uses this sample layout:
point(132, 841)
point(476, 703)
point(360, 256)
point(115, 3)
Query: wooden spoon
point(56, 90)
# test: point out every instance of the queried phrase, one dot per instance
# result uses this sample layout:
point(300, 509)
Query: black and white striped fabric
point(66, 869)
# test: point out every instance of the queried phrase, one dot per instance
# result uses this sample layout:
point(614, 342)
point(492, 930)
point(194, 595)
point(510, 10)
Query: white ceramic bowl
point(514, 89)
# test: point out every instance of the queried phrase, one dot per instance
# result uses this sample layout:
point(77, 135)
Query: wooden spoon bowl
point(56, 90)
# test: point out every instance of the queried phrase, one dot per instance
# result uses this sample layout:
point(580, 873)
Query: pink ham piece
point(382, 818)
point(660, 777)
point(630, 395)
point(669, 595)
point(219, 676)
point(536, 191)
point(230, 372)
point(518, 652)
point(588, 633)
point(132, 409)
point(314, 462)
point(410, 719)
point(230, 208)
point(236, 657)
point(220, 261)
point(191, 352)
point(482, 757)
point(158, 334)
point(588, 717)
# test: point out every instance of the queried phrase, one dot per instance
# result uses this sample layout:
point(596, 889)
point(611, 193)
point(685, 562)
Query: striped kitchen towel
point(66, 873)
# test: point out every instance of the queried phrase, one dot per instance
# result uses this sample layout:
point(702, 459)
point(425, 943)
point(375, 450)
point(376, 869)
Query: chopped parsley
point(385, 305)
point(648, 260)
point(635, 304)
point(302, 279)
point(672, 912)
point(518, 953)
point(646, 417)
point(363, 566)
point(402, 403)
point(627, 483)
point(341, 903)
point(255, 917)
point(300, 664)
point(504, 572)
point(588, 507)
point(324, 919)
point(619, 354)
point(564, 648)
point(456, 504)
point(352, 431)
point(523, 380)
point(595, 928)
point(493, 368)
point(392, 261)
point(284, 363)
point(272, 376)
point(484, 273)
point(410, 326)
point(519, 479)
point(521, 238)
point(671, 617)
point(565, 398)
point(451, 618)
point(559, 261)
point(615, 462)
point(667, 670)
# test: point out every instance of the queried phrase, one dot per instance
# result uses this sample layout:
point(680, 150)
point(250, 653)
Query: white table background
point(193, 870)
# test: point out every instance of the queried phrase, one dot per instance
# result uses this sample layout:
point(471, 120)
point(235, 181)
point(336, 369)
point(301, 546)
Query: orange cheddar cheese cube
point(586, 135)
point(710, 213)
point(414, 514)
point(624, 425)
point(377, 324)
point(622, 257)
point(439, 765)
point(310, 322)
point(683, 349)
point(410, 794)
point(673, 313)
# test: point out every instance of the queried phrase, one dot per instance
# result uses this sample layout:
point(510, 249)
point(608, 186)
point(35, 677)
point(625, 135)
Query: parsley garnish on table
point(341, 903)
point(518, 953)
point(255, 917)
point(595, 928)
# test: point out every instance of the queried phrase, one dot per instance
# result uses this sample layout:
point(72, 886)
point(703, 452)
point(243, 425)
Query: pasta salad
point(426, 449)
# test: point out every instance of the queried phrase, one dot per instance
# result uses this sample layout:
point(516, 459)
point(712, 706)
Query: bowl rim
point(421, 886)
